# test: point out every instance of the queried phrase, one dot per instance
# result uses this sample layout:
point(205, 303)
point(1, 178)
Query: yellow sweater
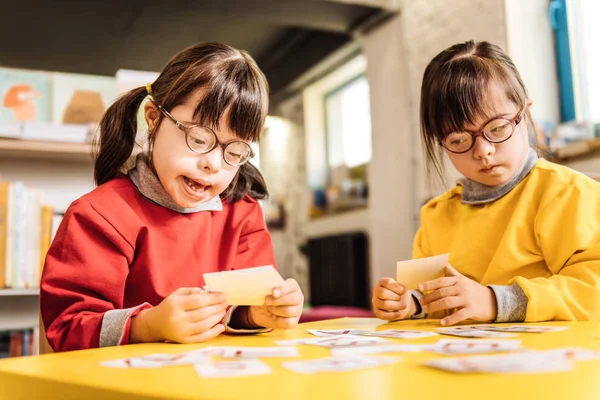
point(544, 235)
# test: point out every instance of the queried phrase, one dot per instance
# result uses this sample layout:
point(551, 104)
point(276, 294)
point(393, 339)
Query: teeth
point(193, 185)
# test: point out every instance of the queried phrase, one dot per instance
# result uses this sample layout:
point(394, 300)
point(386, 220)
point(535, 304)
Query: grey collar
point(149, 186)
point(478, 193)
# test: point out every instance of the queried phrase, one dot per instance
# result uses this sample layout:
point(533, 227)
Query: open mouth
point(195, 185)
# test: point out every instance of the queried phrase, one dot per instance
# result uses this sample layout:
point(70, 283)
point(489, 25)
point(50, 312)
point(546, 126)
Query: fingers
point(202, 313)
point(286, 311)
point(289, 286)
point(286, 298)
point(437, 284)
point(389, 305)
point(205, 324)
point(392, 286)
point(439, 294)
point(445, 303)
point(459, 316)
point(389, 315)
point(206, 335)
point(194, 301)
point(450, 271)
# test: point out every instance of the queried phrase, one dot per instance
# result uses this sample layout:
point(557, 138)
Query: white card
point(229, 369)
point(258, 352)
point(345, 341)
point(474, 334)
point(244, 287)
point(523, 328)
point(157, 360)
point(376, 349)
point(527, 362)
point(399, 334)
point(337, 364)
point(577, 353)
point(411, 273)
point(335, 332)
point(460, 346)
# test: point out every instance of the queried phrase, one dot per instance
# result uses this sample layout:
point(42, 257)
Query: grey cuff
point(227, 319)
point(113, 325)
point(417, 296)
point(512, 303)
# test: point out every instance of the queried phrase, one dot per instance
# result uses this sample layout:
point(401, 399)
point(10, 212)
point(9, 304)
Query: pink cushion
point(320, 313)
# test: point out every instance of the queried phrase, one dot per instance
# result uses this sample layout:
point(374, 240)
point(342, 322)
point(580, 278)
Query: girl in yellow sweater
point(523, 233)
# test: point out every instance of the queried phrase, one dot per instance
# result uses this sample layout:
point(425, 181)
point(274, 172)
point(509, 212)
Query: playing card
point(335, 332)
point(474, 334)
point(376, 349)
point(527, 362)
point(523, 328)
point(411, 273)
point(460, 346)
point(338, 364)
point(577, 353)
point(398, 334)
point(228, 369)
point(258, 352)
point(244, 287)
point(157, 360)
point(345, 340)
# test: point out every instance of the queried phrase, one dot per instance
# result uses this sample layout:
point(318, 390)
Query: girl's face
point(188, 177)
point(488, 163)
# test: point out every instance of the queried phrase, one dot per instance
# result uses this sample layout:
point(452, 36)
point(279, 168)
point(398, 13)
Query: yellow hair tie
point(149, 89)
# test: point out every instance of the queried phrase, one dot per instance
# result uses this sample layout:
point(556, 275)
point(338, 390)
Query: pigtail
point(118, 128)
point(248, 181)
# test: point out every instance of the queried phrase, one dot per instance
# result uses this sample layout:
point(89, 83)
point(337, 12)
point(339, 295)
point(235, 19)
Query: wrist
point(142, 330)
point(251, 319)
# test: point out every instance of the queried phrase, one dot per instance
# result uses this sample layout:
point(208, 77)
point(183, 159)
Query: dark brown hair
point(229, 78)
point(454, 93)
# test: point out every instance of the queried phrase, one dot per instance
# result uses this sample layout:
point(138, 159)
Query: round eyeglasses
point(497, 130)
point(203, 140)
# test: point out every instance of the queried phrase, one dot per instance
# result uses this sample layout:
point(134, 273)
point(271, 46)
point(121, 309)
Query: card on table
point(411, 273)
point(473, 333)
point(244, 287)
point(333, 341)
point(460, 346)
point(523, 328)
point(398, 334)
point(157, 360)
point(258, 352)
point(337, 364)
point(229, 369)
point(335, 332)
point(526, 362)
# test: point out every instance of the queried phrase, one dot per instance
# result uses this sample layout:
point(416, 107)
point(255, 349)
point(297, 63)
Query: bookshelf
point(50, 151)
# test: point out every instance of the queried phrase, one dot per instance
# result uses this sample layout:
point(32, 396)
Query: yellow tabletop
point(78, 375)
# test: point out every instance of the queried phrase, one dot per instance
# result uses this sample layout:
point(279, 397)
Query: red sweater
point(117, 250)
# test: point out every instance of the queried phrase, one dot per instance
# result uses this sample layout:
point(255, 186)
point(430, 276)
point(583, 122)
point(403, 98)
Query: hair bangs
point(237, 94)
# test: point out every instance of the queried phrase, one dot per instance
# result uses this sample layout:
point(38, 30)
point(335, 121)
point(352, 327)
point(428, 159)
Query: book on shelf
point(18, 343)
point(26, 232)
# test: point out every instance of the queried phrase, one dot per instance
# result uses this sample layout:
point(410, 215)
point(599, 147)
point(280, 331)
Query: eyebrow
point(191, 124)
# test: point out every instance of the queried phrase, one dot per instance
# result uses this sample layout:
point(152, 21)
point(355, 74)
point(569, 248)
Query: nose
point(482, 148)
point(211, 161)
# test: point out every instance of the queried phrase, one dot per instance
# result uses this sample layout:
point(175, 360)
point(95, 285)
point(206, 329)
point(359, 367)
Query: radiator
point(339, 270)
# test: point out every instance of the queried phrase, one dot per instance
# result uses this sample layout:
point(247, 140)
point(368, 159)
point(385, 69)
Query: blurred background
point(340, 152)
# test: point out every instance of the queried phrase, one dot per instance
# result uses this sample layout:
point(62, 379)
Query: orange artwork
point(20, 98)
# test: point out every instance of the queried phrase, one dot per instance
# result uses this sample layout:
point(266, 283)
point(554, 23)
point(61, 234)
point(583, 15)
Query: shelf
point(581, 149)
point(52, 151)
point(20, 292)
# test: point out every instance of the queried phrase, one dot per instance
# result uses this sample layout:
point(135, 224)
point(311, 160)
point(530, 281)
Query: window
point(576, 28)
point(348, 124)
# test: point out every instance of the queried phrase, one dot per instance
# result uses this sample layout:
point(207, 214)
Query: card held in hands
point(244, 287)
point(411, 273)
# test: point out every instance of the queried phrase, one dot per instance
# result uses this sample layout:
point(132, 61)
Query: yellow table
point(78, 375)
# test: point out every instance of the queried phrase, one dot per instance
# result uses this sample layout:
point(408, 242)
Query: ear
point(151, 115)
point(529, 103)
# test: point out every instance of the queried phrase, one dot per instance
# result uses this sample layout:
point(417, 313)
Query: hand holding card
point(411, 273)
point(281, 309)
point(244, 287)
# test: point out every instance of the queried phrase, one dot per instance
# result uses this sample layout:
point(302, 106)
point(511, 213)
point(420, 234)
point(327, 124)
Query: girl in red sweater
point(127, 262)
